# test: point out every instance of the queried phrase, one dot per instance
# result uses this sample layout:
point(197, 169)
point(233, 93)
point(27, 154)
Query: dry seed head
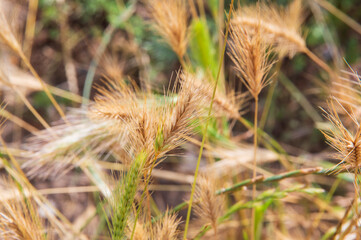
point(141, 232)
point(19, 219)
point(347, 142)
point(166, 228)
point(170, 20)
point(346, 88)
point(251, 57)
point(210, 206)
point(280, 27)
point(225, 105)
point(71, 144)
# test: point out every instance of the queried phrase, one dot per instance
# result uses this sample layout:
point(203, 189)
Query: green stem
point(206, 126)
point(251, 204)
point(275, 178)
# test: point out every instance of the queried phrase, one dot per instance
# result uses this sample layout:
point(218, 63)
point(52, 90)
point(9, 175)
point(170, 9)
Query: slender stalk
point(193, 9)
point(255, 132)
point(340, 15)
point(44, 86)
point(275, 178)
point(319, 61)
point(30, 27)
point(206, 125)
point(343, 219)
point(357, 214)
point(270, 94)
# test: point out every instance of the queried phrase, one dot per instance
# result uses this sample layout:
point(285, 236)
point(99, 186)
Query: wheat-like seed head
point(346, 141)
point(170, 20)
point(280, 27)
point(69, 145)
point(19, 218)
point(141, 231)
point(223, 104)
point(166, 228)
point(210, 206)
point(251, 57)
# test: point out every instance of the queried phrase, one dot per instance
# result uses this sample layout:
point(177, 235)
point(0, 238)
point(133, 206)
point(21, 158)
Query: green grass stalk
point(206, 125)
point(124, 196)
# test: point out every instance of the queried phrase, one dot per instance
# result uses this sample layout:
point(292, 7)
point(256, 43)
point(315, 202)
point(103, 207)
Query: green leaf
point(202, 49)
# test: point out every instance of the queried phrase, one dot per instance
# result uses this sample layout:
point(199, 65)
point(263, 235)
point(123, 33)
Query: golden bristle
point(346, 141)
point(166, 228)
point(251, 57)
point(210, 206)
point(170, 20)
point(19, 218)
point(280, 27)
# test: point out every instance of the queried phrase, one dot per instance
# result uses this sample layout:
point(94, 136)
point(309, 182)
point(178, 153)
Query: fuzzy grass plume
point(170, 21)
point(19, 218)
point(280, 27)
point(210, 206)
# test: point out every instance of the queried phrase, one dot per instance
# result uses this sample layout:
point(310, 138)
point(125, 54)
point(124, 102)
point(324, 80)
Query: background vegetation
point(108, 105)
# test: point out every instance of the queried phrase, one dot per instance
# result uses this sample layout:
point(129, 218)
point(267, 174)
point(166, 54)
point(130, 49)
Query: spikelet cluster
point(141, 231)
point(280, 27)
point(346, 141)
point(19, 219)
point(170, 21)
point(122, 122)
point(54, 153)
point(123, 197)
point(166, 228)
point(210, 206)
point(251, 57)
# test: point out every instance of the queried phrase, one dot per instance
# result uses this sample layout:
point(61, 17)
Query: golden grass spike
point(210, 206)
point(141, 231)
point(170, 20)
point(280, 27)
point(78, 141)
point(19, 218)
point(166, 228)
point(346, 141)
point(250, 55)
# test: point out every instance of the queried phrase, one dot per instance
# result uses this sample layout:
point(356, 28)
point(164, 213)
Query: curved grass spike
point(207, 122)
point(123, 198)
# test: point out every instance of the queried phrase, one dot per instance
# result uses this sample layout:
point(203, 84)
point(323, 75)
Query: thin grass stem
point(255, 144)
point(270, 94)
point(206, 125)
point(318, 61)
